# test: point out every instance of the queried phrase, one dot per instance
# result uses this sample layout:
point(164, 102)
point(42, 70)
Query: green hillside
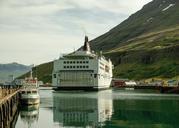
point(151, 55)
point(151, 18)
point(146, 44)
point(43, 72)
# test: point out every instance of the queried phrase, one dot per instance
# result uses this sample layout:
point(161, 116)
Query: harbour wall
point(9, 101)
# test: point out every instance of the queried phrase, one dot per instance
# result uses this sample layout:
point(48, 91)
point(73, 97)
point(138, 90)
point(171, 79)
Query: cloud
point(46, 27)
point(34, 47)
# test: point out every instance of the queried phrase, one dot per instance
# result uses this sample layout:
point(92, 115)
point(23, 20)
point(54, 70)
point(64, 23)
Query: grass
point(164, 68)
point(43, 72)
point(151, 41)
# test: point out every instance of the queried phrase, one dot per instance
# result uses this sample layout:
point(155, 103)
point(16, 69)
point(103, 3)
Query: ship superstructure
point(82, 69)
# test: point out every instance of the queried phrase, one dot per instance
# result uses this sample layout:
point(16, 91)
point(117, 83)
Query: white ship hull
point(30, 99)
point(29, 96)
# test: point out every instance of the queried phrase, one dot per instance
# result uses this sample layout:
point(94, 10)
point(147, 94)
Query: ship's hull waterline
point(72, 88)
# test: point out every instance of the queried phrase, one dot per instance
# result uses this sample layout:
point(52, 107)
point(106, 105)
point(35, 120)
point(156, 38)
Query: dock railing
point(6, 90)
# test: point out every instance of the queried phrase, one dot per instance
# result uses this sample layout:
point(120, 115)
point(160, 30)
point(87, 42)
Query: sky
point(39, 31)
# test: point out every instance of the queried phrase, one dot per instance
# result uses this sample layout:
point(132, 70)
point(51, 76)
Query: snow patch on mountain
point(150, 19)
point(169, 6)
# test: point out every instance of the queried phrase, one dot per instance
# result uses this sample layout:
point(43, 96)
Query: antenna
point(31, 74)
point(35, 71)
point(31, 71)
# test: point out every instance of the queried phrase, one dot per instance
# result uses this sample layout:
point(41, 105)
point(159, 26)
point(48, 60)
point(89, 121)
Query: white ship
point(29, 94)
point(82, 69)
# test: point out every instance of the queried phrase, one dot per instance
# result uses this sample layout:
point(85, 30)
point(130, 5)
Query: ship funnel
point(86, 46)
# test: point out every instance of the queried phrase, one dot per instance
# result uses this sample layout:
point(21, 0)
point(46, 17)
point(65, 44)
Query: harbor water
point(108, 108)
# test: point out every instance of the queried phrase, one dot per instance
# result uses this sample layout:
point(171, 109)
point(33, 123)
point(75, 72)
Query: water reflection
point(82, 110)
point(117, 108)
point(29, 114)
point(145, 111)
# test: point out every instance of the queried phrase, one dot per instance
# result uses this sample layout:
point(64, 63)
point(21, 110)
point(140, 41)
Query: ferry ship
point(29, 94)
point(82, 69)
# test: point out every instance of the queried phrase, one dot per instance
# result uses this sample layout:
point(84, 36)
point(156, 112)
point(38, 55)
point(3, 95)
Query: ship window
point(70, 62)
point(28, 92)
point(74, 62)
point(73, 66)
point(64, 67)
point(67, 66)
point(64, 62)
point(67, 62)
point(54, 76)
point(77, 66)
point(77, 62)
point(80, 66)
point(87, 66)
point(95, 75)
point(34, 91)
point(70, 66)
point(84, 66)
point(86, 61)
point(80, 62)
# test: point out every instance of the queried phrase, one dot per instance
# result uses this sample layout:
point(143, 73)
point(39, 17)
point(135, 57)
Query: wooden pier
point(9, 101)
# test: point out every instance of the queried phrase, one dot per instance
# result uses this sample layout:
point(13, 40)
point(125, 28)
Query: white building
point(82, 69)
point(130, 83)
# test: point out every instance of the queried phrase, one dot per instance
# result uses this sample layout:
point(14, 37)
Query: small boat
point(30, 94)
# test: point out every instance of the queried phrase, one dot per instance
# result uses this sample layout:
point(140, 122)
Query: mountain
point(154, 16)
point(14, 69)
point(144, 46)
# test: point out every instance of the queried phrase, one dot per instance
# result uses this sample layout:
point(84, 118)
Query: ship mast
point(31, 74)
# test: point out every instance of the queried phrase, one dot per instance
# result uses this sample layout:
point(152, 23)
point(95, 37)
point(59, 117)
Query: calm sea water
point(109, 108)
